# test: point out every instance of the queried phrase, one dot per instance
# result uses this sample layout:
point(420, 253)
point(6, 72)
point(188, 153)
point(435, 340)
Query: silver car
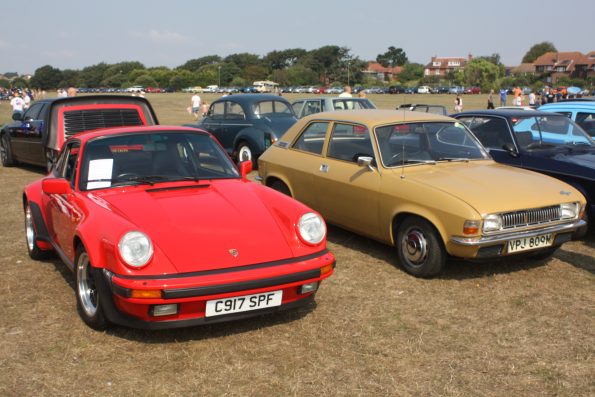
point(305, 107)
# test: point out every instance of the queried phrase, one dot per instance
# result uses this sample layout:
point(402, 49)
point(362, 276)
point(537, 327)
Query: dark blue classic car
point(246, 125)
point(545, 142)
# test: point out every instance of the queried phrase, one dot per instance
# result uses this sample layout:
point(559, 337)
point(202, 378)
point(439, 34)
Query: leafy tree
point(206, 75)
point(301, 75)
point(10, 75)
point(115, 80)
point(243, 60)
point(238, 82)
point(4, 83)
point(482, 73)
point(255, 72)
point(92, 76)
point(181, 79)
point(194, 65)
point(145, 80)
point(411, 71)
point(18, 82)
point(277, 60)
point(46, 77)
point(393, 57)
point(70, 78)
point(161, 75)
point(538, 50)
point(228, 72)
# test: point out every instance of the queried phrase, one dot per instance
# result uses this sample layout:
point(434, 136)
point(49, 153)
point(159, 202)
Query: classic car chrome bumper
point(502, 238)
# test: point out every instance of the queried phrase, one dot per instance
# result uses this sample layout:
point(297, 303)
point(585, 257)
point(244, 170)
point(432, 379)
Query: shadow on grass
point(199, 332)
point(455, 269)
point(578, 260)
point(32, 168)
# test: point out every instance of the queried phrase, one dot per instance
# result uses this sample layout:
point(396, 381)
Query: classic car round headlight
point(311, 228)
point(569, 210)
point(136, 249)
point(492, 223)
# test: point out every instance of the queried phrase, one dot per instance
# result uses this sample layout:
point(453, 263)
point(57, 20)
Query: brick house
point(554, 65)
point(379, 72)
point(440, 66)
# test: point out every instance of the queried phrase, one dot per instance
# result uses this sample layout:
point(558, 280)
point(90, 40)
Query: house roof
point(445, 60)
point(523, 68)
point(569, 60)
point(375, 67)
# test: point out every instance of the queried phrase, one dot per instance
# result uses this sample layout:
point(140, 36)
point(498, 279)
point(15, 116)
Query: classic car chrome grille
point(530, 217)
point(76, 121)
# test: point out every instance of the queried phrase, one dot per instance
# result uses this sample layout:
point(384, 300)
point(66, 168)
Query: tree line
point(327, 65)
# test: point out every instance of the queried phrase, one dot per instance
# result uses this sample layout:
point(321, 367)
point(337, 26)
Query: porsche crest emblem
point(234, 252)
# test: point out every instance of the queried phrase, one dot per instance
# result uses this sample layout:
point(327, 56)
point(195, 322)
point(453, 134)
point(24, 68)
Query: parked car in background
point(36, 136)
point(424, 89)
point(305, 107)
point(582, 112)
point(539, 141)
point(472, 90)
point(396, 89)
point(334, 90)
point(418, 107)
point(456, 90)
point(411, 90)
point(421, 183)
point(246, 125)
point(442, 90)
point(158, 226)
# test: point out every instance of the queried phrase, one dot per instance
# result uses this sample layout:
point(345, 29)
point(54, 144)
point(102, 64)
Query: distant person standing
point(71, 91)
point(204, 109)
point(17, 103)
point(362, 94)
point(491, 100)
point(458, 104)
point(503, 92)
point(26, 99)
point(195, 104)
point(346, 92)
point(532, 99)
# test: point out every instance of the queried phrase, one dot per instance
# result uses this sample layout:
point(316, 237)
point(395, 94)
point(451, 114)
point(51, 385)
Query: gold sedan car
point(421, 183)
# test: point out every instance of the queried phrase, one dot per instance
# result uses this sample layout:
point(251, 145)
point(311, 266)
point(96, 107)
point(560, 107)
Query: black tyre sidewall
point(436, 259)
point(98, 321)
point(7, 161)
point(281, 188)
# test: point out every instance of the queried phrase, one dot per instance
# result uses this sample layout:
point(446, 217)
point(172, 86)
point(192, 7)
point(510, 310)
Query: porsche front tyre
point(419, 248)
point(88, 302)
point(31, 237)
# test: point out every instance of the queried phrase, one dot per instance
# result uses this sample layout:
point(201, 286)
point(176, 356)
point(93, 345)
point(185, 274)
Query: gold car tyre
point(281, 188)
point(88, 302)
point(419, 248)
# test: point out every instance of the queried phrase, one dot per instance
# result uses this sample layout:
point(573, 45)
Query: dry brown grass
point(515, 328)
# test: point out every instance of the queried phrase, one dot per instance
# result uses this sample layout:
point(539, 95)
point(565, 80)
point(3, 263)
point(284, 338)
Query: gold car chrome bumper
point(475, 247)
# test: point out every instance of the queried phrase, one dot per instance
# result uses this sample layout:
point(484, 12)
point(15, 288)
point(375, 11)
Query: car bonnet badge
point(233, 252)
point(564, 192)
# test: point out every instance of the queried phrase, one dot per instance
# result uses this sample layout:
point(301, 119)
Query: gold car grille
point(536, 216)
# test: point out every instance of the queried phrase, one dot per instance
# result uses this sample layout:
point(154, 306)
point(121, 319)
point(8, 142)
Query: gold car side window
point(312, 138)
point(349, 141)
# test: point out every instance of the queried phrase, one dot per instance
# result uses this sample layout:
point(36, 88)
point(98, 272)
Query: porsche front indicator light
point(146, 293)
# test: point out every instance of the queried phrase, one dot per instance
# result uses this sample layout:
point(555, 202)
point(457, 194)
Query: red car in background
point(472, 90)
point(162, 230)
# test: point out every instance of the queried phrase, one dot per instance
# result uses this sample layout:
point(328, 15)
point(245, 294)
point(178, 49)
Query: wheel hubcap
point(415, 247)
point(86, 286)
point(245, 154)
point(29, 229)
point(3, 149)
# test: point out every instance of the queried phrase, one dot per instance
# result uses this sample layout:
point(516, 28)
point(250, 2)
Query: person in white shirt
point(27, 100)
point(195, 101)
point(532, 99)
point(17, 103)
point(346, 92)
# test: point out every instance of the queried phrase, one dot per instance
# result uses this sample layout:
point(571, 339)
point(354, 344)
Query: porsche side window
point(312, 138)
point(69, 172)
point(348, 142)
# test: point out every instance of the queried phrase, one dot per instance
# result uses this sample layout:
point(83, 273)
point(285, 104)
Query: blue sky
point(70, 34)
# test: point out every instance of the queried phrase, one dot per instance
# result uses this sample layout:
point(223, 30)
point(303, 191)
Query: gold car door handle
point(324, 168)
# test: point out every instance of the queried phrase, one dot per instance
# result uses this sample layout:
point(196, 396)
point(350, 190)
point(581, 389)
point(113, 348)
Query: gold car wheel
point(419, 247)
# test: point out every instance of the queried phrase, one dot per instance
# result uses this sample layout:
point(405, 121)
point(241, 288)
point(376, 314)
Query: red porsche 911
point(161, 231)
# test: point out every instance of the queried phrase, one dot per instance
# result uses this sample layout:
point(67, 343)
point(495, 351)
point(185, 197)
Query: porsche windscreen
point(140, 158)
point(430, 142)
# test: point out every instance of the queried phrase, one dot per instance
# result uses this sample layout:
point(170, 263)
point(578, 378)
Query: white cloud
point(160, 36)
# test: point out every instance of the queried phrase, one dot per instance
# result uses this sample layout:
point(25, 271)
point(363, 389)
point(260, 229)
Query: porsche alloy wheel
point(420, 248)
point(31, 237)
point(87, 295)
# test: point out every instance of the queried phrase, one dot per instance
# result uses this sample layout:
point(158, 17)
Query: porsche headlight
point(311, 228)
point(492, 223)
point(136, 249)
point(569, 210)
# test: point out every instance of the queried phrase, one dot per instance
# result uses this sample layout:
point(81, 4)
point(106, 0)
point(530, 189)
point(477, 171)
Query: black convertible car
point(545, 142)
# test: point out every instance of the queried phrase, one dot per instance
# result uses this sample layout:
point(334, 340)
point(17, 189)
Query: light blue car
point(581, 111)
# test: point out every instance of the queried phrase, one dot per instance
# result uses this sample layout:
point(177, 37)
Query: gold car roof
point(377, 116)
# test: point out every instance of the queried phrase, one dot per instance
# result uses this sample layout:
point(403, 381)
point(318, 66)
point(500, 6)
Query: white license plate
point(244, 303)
point(529, 243)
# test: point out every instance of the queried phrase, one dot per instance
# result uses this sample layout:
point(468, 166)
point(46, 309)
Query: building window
point(454, 63)
point(436, 64)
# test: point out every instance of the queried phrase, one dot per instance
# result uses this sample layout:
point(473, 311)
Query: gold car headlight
point(569, 210)
point(492, 223)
